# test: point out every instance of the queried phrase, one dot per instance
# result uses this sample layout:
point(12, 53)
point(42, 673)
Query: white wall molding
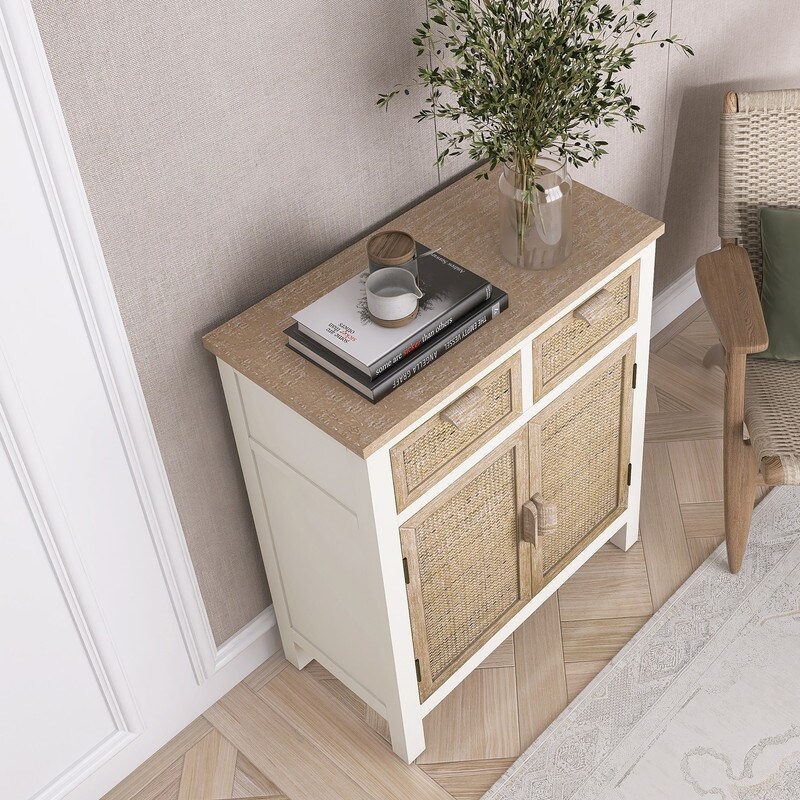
point(670, 303)
point(26, 65)
point(88, 765)
point(56, 540)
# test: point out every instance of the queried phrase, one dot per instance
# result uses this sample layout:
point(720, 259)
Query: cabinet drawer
point(445, 440)
point(579, 454)
point(578, 335)
point(468, 571)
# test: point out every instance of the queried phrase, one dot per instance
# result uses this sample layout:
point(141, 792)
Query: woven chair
point(759, 166)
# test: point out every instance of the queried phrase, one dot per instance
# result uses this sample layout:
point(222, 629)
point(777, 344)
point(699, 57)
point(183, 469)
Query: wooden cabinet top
point(462, 219)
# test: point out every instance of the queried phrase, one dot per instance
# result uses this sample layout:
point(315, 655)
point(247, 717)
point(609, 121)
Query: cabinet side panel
point(297, 442)
point(311, 501)
point(325, 572)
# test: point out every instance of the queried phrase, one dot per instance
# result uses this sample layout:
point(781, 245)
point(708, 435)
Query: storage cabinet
point(403, 541)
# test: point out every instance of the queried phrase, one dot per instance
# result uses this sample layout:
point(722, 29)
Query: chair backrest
point(759, 163)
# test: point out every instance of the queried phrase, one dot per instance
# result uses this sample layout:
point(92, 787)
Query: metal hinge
point(405, 571)
point(633, 382)
point(630, 469)
point(419, 673)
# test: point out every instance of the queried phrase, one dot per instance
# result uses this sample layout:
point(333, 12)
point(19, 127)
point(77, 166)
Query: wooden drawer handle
point(538, 519)
point(595, 308)
point(461, 411)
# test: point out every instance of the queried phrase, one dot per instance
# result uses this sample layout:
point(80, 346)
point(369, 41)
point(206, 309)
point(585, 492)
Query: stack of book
point(337, 333)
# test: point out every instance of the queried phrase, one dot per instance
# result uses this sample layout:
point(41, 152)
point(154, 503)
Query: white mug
point(392, 294)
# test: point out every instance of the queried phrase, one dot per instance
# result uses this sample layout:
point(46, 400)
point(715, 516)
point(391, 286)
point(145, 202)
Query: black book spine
point(414, 364)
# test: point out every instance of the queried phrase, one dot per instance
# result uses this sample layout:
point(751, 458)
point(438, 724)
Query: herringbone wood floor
point(303, 735)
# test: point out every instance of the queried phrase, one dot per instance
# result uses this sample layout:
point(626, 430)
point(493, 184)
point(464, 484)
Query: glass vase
point(536, 215)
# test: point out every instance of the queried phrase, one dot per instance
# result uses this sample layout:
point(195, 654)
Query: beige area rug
point(703, 702)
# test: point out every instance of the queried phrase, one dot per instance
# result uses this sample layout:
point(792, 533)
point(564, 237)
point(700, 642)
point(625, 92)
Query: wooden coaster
point(394, 323)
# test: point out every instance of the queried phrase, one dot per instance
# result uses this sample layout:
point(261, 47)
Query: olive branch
point(519, 77)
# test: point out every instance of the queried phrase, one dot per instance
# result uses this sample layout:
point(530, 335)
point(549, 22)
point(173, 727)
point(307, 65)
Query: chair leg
point(740, 483)
point(739, 463)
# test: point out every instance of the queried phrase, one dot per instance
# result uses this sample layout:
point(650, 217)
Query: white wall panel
point(49, 685)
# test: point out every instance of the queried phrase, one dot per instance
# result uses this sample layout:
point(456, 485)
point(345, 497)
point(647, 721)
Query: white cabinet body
point(330, 521)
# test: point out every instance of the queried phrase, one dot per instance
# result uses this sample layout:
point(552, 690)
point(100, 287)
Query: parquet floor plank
point(354, 747)
point(279, 751)
point(160, 761)
point(580, 674)
point(208, 769)
point(668, 426)
point(697, 470)
point(613, 583)
point(701, 547)
point(597, 639)
point(468, 780)
point(677, 326)
point(476, 721)
point(703, 519)
point(249, 782)
point(692, 385)
point(661, 526)
point(165, 786)
point(541, 679)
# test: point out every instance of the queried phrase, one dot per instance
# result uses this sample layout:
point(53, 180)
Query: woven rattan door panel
point(467, 569)
point(579, 454)
point(578, 335)
point(438, 445)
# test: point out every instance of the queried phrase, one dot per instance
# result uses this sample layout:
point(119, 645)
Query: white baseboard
point(259, 639)
point(670, 303)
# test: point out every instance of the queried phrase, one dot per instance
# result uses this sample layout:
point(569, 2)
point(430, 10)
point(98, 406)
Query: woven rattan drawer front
point(468, 570)
point(433, 449)
point(581, 333)
point(580, 448)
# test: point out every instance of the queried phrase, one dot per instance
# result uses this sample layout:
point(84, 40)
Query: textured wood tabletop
point(462, 219)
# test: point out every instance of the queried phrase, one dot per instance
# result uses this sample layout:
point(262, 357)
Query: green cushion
point(780, 287)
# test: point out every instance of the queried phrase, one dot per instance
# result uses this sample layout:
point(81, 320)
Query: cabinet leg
point(626, 537)
point(295, 654)
point(408, 736)
point(292, 651)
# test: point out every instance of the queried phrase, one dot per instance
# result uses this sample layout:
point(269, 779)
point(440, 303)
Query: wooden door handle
point(461, 411)
point(547, 515)
point(538, 519)
point(595, 308)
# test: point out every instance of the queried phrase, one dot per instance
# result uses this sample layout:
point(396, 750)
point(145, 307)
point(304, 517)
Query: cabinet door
point(467, 569)
point(579, 455)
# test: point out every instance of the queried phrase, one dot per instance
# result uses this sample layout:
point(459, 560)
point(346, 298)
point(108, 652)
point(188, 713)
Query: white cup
point(392, 294)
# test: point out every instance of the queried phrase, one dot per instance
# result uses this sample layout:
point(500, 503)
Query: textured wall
point(630, 172)
point(227, 148)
